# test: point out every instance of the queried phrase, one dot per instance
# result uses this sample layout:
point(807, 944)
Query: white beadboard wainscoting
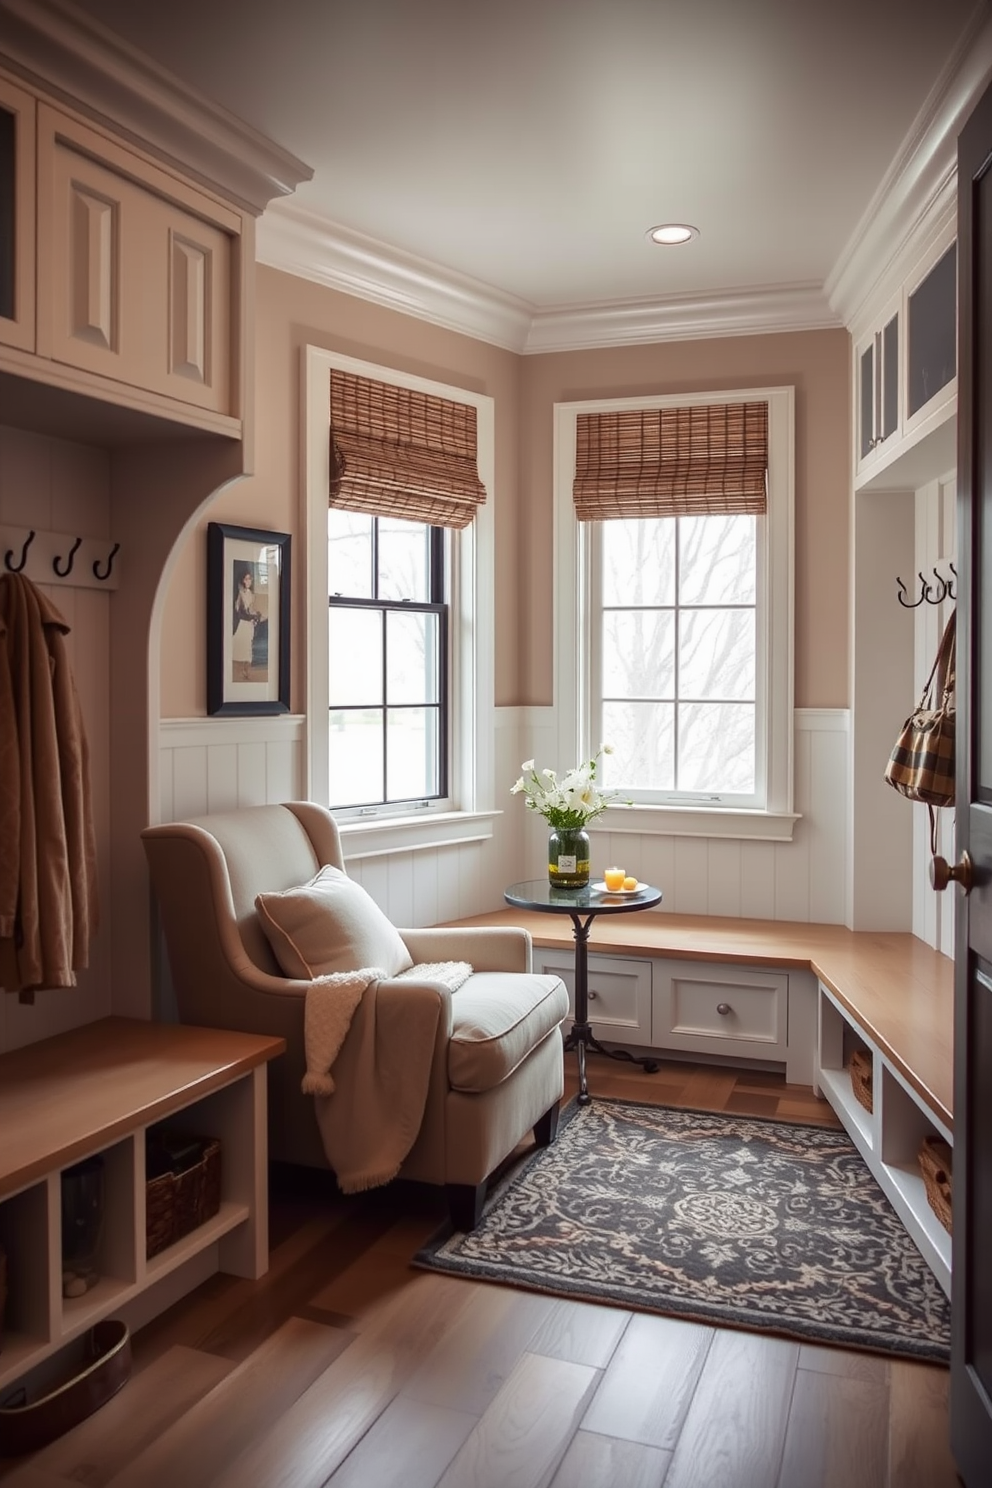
point(798, 880)
point(216, 764)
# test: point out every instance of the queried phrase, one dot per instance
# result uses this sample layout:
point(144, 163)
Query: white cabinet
point(905, 375)
point(619, 994)
point(888, 1136)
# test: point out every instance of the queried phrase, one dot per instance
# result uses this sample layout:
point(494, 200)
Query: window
point(409, 710)
point(387, 649)
point(683, 622)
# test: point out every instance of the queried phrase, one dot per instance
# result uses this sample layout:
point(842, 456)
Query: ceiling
point(528, 145)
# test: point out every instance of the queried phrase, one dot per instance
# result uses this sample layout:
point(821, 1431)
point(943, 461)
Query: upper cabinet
point(135, 270)
point(120, 279)
point(17, 216)
point(905, 377)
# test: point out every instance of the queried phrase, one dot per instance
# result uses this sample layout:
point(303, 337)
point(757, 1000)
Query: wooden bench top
point(65, 1096)
point(899, 989)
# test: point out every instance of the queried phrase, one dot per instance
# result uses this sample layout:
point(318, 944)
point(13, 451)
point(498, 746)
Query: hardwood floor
point(344, 1366)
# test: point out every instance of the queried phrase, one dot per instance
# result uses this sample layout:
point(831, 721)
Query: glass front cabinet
point(905, 365)
point(17, 216)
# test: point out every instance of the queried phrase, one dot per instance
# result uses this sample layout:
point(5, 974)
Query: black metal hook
point(911, 604)
point(940, 594)
point(952, 592)
point(9, 558)
point(110, 563)
point(64, 573)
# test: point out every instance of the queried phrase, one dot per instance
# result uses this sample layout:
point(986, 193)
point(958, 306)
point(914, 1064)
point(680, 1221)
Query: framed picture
point(247, 621)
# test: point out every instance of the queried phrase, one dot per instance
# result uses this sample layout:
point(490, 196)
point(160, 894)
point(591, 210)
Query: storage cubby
point(108, 1082)
point(116, 1257)
point(25, 1236)
point(838, 1039)
point(905, 1123)
point(888, 1138)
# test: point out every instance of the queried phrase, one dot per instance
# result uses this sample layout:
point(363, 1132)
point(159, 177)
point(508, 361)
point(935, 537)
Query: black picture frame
point(248, 609)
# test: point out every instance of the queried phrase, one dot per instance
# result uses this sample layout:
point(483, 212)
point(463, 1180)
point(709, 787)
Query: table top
point(541, 894)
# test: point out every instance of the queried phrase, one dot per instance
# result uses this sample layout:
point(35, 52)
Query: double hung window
point(675, 518)
point(388, 660)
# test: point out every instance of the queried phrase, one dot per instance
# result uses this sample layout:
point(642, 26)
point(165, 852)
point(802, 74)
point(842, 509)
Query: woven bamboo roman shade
point(671, 462)
point(399, 453)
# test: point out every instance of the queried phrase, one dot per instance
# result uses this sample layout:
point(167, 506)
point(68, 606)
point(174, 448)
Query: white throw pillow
point(330, 924)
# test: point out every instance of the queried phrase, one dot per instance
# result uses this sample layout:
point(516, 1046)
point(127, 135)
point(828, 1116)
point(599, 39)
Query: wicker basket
point(936, 1162)
point(183, 1196)
point(861, 1076)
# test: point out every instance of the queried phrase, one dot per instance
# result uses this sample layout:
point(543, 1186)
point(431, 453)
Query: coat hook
point(9, 559)
point(64, 573)
point(951, 590)
point(914, 604)
point(940, 594)
point(110, 563)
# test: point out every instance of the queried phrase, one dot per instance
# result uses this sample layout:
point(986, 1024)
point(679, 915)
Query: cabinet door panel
point(140, 283)
point(619, 994)
point(17, 217)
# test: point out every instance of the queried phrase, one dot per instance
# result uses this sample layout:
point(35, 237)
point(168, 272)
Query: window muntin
point(388, 724)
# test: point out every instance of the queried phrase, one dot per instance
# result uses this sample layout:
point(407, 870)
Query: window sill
point(418, 833)
point(683, 821)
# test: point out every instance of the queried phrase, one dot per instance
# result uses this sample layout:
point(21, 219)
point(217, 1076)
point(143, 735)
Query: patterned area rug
point(736, 1221)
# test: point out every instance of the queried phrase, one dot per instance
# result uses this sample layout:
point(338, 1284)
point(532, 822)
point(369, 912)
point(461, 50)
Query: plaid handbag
point(921, 765)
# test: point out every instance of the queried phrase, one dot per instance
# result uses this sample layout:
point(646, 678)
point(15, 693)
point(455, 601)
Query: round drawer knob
point(723, 1008)
point(592, 995)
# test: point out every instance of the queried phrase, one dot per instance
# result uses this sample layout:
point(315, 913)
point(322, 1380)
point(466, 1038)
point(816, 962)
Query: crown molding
point(70, 56)
point(920, 186)
point(301, 242)
point(741, 312)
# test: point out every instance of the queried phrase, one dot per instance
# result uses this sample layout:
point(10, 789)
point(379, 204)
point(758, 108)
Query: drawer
point(619, 994)
point(723, 1010)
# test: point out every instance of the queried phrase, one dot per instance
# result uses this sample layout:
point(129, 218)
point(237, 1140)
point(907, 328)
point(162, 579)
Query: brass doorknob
point(941, 873)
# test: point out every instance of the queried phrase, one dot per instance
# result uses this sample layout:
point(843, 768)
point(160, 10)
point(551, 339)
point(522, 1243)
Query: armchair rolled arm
point(484, 947)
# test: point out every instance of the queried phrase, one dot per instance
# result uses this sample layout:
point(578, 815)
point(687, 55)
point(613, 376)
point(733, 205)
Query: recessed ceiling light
point(669, 233)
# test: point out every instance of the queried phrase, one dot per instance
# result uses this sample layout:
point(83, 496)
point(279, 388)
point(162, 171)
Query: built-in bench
point(95, 1091)
point(797, 994)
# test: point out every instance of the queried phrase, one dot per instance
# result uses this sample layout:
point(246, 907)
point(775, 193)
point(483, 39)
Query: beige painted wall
point(292, 313)
point(816, 363)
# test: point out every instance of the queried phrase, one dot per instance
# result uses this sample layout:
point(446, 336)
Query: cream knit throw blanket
point(381, 1044)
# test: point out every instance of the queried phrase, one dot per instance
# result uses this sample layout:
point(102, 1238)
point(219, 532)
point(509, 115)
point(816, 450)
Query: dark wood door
point(971, 1364)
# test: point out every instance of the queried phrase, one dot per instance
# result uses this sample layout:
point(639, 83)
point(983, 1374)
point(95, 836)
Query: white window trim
point(776, 820)
point(469, 811)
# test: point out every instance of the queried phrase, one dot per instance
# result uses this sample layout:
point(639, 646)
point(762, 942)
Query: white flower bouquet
point(567, 804)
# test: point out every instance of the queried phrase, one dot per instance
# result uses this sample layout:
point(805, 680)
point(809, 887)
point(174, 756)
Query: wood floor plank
point(822, 1359)
point(409, 1446)
point(469, 1364)
point(314, 1436)
point(255, 1395)
point(919, 1445)
point(649, 1384)
point(837, 1433)
point(734, 1430)
point(527, 1428)
point(376, 1274)
point(101, 1446)
point(594, 1461)
point(581, 1332)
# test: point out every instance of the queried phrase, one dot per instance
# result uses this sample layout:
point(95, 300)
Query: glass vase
point(568, 857)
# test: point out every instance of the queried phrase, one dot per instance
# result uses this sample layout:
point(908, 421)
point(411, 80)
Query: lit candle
point(614, 877)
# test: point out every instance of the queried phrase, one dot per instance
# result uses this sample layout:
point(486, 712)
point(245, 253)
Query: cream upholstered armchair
point(491, 1050)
